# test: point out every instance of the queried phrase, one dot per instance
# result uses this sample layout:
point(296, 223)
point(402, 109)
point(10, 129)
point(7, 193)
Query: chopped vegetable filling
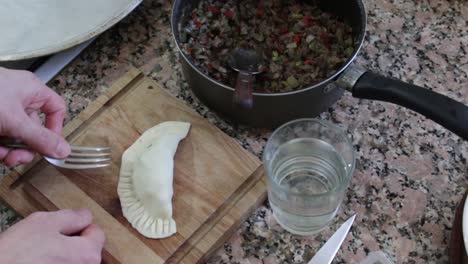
point(301, 45)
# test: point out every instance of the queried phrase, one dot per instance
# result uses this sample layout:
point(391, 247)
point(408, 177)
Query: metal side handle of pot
point(449, 113)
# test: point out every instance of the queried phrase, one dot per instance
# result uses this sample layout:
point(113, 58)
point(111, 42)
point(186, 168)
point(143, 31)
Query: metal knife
point(327, 252)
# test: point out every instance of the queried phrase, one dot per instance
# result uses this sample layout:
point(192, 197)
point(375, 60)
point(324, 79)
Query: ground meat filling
point(300, 44)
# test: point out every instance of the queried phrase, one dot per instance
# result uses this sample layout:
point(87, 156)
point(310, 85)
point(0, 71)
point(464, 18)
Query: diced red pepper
point(259, 12)
point(229, 13)
point(324, 36)
point(283, 30)
point(297, 37)
point(306, 20)
point(197, 23)
point(213, 9)
point(281, 49)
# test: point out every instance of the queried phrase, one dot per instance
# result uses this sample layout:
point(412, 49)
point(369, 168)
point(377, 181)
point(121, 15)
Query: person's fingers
point(39, 96)
point(3, 153)
point(15, 156)
point(94, 234)
point(53, 106)
point(38, 137)
point(18, 156)
point(89, 244)
point(69, 221)
point(35, 117)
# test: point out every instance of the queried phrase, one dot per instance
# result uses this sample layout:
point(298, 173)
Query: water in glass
point(309, 175)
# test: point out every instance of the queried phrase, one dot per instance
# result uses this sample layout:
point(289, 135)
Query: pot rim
point(333, 77)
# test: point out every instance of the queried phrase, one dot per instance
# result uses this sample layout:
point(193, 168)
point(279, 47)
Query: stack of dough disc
point(41, 27)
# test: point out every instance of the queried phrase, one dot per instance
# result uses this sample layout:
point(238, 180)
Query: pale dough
point(146, 179)
point(32, 26)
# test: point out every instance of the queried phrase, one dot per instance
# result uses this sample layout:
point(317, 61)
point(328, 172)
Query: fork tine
point(71, 160)
point(79, 148)
point(83, 166)
point(61, 163)
point(84, 158)
point(83, 154)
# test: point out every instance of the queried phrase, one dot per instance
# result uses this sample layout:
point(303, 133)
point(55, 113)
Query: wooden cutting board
point(217, 183)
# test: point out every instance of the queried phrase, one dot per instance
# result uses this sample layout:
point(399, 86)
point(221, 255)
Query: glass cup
point(309, 164)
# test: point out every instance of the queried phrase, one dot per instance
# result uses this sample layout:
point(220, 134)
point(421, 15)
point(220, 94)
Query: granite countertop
point(411, 173)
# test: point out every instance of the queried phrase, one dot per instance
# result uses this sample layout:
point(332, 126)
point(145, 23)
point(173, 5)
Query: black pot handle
point(449, 113)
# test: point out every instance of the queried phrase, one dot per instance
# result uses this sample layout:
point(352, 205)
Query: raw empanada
point(146, 176)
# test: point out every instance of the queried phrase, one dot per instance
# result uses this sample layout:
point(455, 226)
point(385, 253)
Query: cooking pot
point(271, 110)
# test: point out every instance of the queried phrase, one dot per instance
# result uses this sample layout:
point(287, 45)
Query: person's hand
point(23, 96)
point(65, 236)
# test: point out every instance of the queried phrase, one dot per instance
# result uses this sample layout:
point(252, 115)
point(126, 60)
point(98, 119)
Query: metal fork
point(79, 158)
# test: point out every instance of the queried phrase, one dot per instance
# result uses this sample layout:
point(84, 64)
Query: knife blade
point(327, 252)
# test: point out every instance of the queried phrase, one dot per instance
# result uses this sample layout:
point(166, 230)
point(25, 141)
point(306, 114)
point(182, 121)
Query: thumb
point(39, 138)
point(94, 234)
point(69, 221)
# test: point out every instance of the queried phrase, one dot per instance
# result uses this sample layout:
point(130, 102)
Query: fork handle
point(11, 143)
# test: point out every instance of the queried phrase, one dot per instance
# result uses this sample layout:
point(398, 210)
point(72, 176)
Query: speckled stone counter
point(411, 173)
